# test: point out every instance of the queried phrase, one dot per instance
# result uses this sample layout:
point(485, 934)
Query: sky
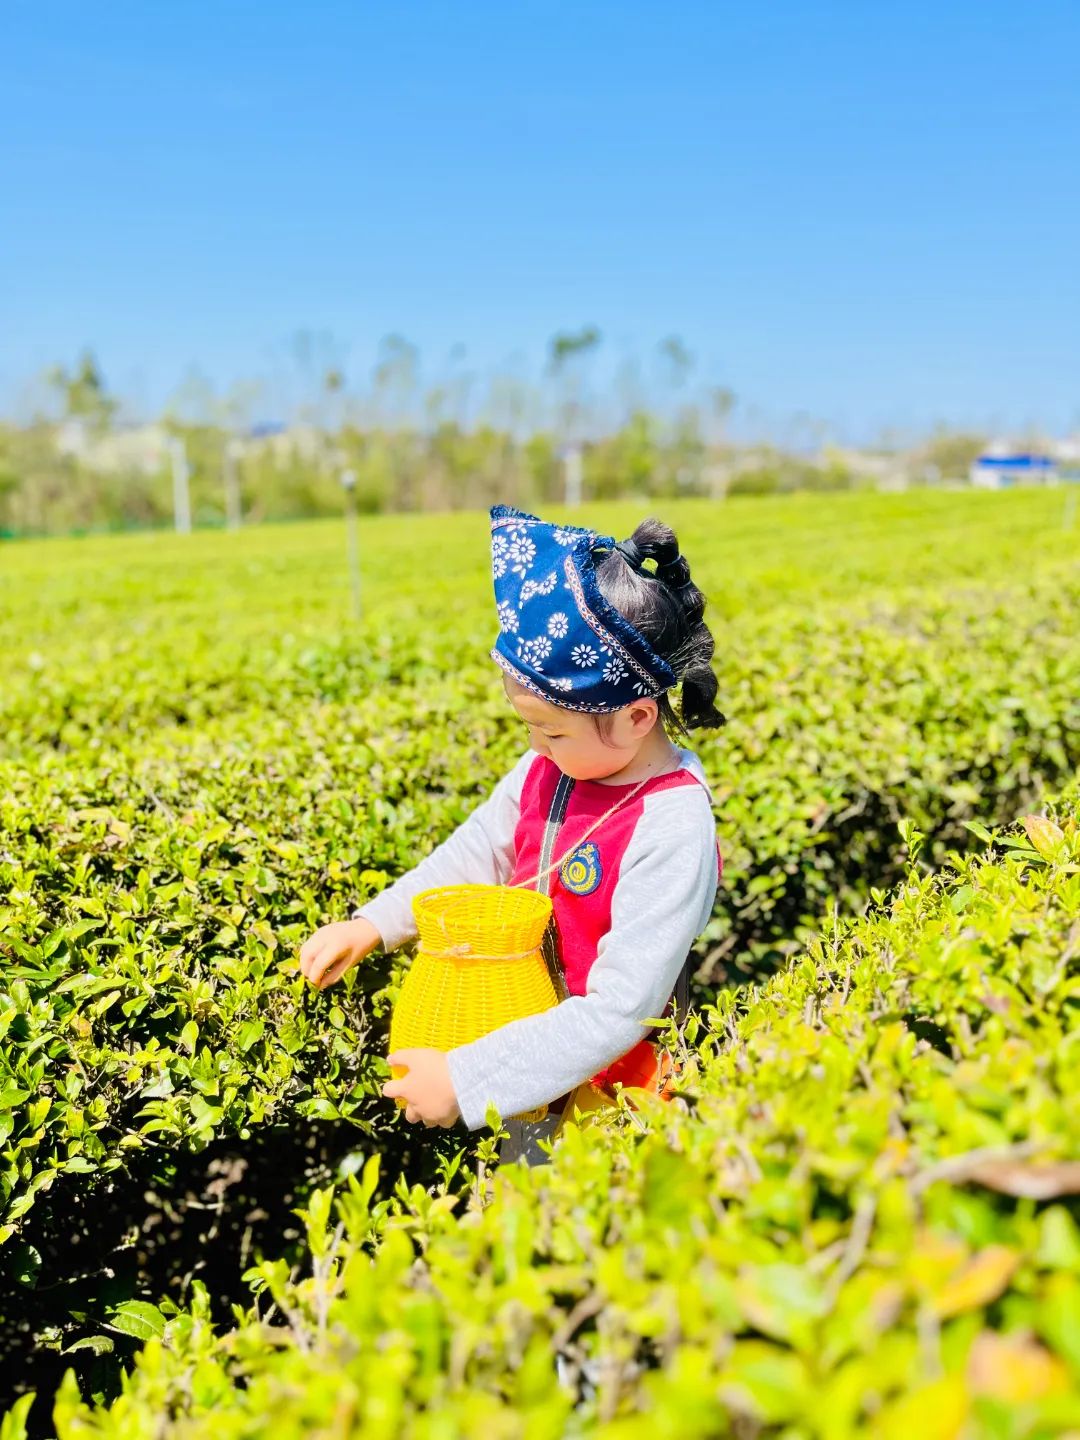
point(868, 214)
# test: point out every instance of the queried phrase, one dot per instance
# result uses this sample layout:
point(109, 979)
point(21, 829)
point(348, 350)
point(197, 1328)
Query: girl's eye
point(559, 734)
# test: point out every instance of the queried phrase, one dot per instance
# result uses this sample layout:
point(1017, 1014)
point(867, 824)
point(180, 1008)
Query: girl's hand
point(427, 1089)
point(334, 948)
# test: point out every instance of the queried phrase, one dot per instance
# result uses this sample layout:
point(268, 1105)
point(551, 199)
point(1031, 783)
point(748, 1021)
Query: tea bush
point(203, 757)
point(204, 761)
point(857, 1217)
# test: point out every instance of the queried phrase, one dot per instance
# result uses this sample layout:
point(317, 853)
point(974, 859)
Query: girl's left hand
point(427, 1089)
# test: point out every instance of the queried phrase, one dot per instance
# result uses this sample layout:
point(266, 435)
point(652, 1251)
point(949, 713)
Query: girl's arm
point(480, 851)
point(661, 903)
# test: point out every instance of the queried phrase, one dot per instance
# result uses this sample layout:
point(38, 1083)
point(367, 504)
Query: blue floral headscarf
point(559, 637)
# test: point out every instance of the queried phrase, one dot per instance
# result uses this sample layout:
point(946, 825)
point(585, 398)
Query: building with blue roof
point(997, 472)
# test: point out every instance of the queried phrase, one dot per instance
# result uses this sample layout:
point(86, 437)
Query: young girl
point(591, 644)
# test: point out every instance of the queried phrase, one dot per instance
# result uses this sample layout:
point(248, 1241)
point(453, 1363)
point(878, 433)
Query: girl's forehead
point(532, 707)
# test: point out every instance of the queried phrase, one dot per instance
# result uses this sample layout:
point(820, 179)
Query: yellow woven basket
point(479, 965)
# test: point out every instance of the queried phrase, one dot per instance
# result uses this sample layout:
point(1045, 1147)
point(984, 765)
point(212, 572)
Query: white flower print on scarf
point(534, 652)
point(537, 587)
point(522, 551)
point(507, 617)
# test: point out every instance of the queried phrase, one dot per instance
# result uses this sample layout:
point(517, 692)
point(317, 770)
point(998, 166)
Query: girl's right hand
point(334, 948)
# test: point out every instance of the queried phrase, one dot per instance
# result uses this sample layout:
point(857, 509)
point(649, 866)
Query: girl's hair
point(667, 607)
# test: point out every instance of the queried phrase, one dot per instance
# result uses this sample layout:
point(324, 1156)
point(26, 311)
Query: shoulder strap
point(550, 943)
point(556, 815)
point(682, 994)
point(560, 799)
point(681, 997)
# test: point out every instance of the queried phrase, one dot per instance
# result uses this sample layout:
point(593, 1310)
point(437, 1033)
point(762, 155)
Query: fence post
point(572, 464)
point(233, 510)
point(181, 489)
point(352, 537)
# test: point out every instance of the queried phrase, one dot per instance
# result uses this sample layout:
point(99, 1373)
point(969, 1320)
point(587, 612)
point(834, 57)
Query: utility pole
point(573, 467)
point(568, 354)
point(233, 510)
point(352, 538)
point(181, 489)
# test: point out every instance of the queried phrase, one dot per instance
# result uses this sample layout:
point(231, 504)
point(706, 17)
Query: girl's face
point(572, 740)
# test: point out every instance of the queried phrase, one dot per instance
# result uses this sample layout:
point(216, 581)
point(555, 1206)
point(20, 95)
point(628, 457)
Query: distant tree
point(194, 402)
point(395, 378)
point(949, 455)
point(565, 344)
point(629, 388)
point(720, 404)
point(682, 449)
point(318, 361)
point(625, 462)
point(82, 391)
point(677, 360)
point(566, 356)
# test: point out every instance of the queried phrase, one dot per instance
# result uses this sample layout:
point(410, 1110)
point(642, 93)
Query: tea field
point(862, 1210)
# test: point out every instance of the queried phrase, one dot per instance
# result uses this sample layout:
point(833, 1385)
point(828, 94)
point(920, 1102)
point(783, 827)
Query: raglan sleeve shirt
point(479, 852)
point(660, 904)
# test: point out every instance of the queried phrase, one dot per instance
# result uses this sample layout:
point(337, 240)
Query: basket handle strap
point(550, 943)
point(555, 820)
point(560, 799)
point(682, 994)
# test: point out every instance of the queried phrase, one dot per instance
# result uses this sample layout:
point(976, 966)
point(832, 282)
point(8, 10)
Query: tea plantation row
point(203, 759)
point(155, 887)
point(857, 1218)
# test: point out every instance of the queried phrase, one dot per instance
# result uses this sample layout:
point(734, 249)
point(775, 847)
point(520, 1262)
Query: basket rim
point(532, 903)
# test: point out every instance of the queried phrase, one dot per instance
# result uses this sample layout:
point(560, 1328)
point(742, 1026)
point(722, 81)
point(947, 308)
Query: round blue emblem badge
point(582, 872)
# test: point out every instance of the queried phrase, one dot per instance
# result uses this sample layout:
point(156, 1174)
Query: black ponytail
point(667, 607)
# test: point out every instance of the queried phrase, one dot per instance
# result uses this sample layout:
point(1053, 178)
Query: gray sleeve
point(480, 852)
point(661, 903)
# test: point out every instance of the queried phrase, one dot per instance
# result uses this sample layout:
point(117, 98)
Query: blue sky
point(868, 213)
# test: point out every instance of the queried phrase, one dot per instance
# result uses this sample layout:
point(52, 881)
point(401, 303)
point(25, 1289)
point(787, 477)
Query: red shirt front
point(582, 887)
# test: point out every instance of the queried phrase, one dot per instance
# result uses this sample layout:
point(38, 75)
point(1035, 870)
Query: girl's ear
point(643, 715)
